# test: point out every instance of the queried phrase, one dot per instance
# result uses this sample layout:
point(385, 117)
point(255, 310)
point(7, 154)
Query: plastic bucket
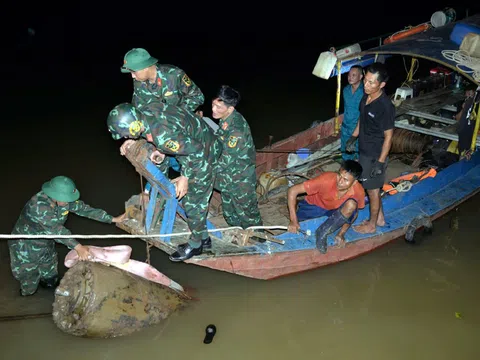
point(303, 153)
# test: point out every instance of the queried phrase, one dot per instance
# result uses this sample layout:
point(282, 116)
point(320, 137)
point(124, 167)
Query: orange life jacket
point(412, 177)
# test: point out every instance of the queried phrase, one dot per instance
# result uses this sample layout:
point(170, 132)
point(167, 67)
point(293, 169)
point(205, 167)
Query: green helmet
point(137, 59)
point(61, 188)
point(124, 121)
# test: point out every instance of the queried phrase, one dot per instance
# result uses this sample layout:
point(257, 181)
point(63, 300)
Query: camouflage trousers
point(31, 261)
point(195, 203)
point(239, 198)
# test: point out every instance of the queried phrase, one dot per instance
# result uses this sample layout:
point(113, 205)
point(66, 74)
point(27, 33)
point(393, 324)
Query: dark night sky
point(267, 52)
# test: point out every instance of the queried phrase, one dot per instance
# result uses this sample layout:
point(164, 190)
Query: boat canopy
point(428, 45)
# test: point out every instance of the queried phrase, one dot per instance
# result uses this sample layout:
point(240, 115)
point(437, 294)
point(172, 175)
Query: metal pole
point(337, 103)
point(477, 127)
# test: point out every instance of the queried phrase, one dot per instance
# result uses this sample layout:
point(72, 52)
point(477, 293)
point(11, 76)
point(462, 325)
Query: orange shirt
point(322, 191)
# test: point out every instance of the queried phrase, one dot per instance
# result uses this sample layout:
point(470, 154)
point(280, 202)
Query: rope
point(464, 60)
point(28, 236)
point(149, 246)
point(144, 212)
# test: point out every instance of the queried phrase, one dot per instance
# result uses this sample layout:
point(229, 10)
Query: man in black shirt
point(374, 131)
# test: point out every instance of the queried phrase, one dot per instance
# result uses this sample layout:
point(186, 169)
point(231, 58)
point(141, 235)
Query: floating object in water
point(458, 315)
point(210, 332)
point(98, 301)
point(416, 224)
point(119, 256)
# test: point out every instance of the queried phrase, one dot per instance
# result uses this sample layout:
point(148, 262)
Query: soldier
point(34, 261)
point(236, 177)
point(177, 132)
point(167, 84)
point(153, 82)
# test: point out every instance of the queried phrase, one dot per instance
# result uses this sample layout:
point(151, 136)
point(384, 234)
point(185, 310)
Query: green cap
point(61, 188)
point(137, 59)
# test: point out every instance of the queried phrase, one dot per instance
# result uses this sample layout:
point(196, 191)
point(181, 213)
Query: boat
point(282, 164)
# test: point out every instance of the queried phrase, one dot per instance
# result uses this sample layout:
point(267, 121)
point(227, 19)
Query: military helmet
point(137, 59)
point(61, 188)
point(124, 121)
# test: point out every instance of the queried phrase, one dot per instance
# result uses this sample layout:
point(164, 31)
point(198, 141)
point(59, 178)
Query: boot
point(333, 223)
point(50, 283)
point(207, 243)
point(185, 252)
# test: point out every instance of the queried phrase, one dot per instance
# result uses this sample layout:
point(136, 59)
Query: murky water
point(399, 302)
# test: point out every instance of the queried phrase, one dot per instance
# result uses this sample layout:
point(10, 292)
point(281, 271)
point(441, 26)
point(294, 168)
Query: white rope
point(464, 60)
point(25, 236)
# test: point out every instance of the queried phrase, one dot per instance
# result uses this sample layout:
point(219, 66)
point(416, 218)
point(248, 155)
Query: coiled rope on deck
point(148, 236)
point(464, 60)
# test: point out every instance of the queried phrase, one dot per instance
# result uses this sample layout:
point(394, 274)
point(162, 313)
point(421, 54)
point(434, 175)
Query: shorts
point(366, 179)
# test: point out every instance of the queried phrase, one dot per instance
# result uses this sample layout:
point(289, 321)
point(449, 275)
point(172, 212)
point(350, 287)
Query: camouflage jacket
point(42, 216)
point(172, 86)
point(180, 133)
point(238, 151)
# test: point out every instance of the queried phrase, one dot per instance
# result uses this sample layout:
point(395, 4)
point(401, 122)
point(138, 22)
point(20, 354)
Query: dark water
point(398, 302)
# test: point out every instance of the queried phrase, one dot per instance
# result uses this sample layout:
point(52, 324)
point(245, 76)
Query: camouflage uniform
point(236, 176)
point(172, 86)
point(32, 260)
point(186, 136)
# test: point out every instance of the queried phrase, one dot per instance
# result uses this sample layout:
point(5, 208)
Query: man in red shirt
point(337, 195)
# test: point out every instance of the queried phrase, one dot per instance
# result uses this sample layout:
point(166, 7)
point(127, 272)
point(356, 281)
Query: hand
point(199, 113)
point(125, 146)
point(83, 253)
point(293, 227)
point(377, 169)
point(120, 218)
point(350, 146)
point(181, 186)
point(157, 157)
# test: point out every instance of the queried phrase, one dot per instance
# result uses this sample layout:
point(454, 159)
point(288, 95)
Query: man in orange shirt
point(337, 195)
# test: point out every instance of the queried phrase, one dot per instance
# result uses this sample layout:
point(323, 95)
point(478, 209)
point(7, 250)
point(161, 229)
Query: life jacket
point(412, 178)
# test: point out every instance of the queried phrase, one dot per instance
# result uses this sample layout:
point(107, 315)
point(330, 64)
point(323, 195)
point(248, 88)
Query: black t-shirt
point(375, 118)
point(465, 128)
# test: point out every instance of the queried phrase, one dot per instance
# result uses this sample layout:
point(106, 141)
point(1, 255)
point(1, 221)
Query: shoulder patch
point(186, 80)
point(224, 126)
point(172, 145)
point(65, 212)
point(232, 141)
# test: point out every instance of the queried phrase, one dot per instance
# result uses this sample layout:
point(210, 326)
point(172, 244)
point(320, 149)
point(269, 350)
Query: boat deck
point(423, 114)
point(274, 212)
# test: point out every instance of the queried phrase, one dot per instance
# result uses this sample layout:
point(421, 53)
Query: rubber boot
point(333, 223)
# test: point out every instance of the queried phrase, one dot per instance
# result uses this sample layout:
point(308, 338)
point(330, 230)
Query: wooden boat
point(286, 253)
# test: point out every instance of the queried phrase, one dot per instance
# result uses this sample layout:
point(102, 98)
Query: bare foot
point(367, 228)
point(379, 223)
point(339, 241)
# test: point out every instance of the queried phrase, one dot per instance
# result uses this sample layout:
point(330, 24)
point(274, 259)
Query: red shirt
point(322, 191)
